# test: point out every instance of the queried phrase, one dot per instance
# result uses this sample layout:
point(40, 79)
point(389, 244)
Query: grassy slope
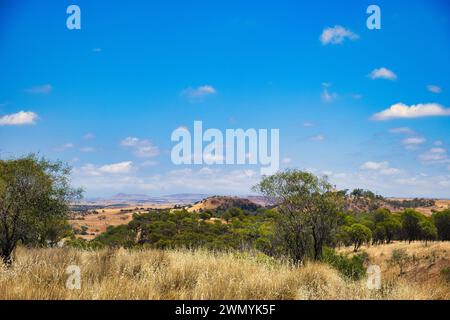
point(153, 274)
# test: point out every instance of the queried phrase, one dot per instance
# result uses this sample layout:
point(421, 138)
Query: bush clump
point(351, 267)
point(445, 272)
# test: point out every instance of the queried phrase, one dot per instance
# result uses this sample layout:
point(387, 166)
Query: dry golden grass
point(183, 274)
point(427, 260)
point(96, 224)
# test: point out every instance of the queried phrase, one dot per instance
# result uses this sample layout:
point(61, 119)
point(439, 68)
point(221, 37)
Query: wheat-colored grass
point(184, 274)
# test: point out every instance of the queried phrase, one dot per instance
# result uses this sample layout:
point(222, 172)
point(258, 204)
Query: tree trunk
point(318, 251)
point(6, 255)
point(317, 247)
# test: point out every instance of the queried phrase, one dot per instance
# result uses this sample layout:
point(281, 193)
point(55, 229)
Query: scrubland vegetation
point(304, 245)
point(203, 274)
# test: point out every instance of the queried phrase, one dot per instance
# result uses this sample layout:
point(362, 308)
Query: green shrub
point(400, 258)
point(351, 267)
point(445, 272)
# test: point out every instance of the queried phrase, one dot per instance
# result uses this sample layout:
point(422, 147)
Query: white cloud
point(90, 170)
point(402, 184)
point(88, 136)
point(444, 183)
point(328, 96)
point(413, 141)
point(336, 35)
point(141, 148)
point(65, 147)
point(371, 165)
point(318, 137)
point(383, 73)
point(380, 167)
point(286, 160)
point(87, 149)
point(148, 163)
point(434, 89)
point(209, 180)
point(18, 119)
point(402, 111)
point(402, 130)
point(204, 180)
point(435, 155)
point(199, 92)
point(97, 50)
point(308, 124)
point(42, 89)
point(438, 143)
point(129, 142)
point(117, 168)
point(147, 151)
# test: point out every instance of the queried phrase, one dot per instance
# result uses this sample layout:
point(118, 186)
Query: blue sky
point(368, 108)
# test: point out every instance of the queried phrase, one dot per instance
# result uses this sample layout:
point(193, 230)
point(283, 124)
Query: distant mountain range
point(182, 198)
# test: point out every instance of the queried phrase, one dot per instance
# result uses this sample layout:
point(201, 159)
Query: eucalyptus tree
point(34, 202)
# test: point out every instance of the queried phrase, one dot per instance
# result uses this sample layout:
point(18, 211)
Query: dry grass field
point(98, 223)
point(440, 205)
point(425, 265)
point(183, 274)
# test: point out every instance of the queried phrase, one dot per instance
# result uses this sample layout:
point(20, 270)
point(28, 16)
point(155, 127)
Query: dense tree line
point(382, 226)
point(167, 229)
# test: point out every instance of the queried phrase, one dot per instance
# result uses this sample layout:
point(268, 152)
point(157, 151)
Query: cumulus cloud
point(328, 96)
point(18, 119)
point(434, 88)
point(148, 163)
point(336, 35)
point(383, 73)
point(307, 124)
point(380, 167)
point(199, 92)
point(41, 89)
point(108, 170)
point(65, 146)
point(317, 138)
point(117, 168)
point(435, 155)
point(129, 142)
point(403, 184)
point(413, 141)
point(403, 111)
point(204, 180)
point(402, 130)
point(141, 147)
